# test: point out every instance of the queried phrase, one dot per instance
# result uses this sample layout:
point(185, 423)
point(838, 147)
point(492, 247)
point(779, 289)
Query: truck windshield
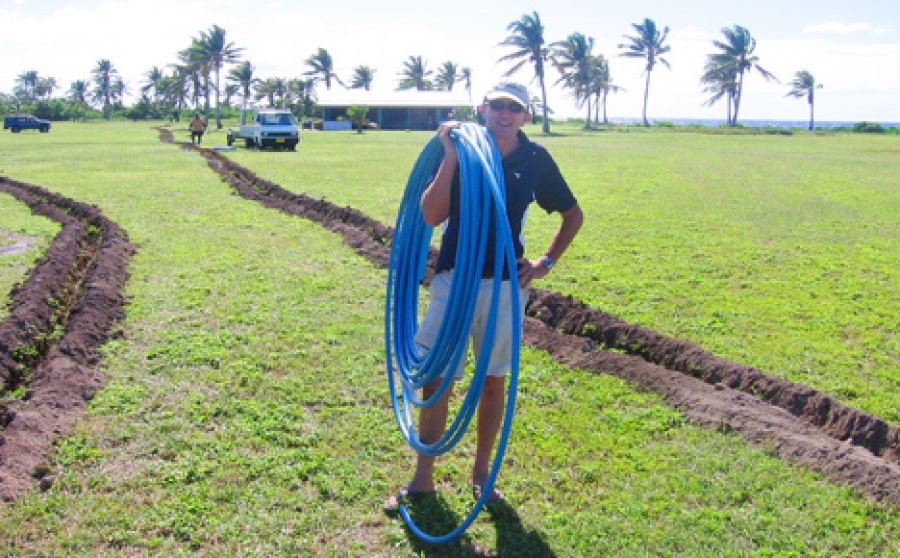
point(283, 119)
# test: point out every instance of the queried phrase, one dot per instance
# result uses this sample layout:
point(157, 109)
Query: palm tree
point(230, 90)
point(45, 87)
point(176, 90)
point(322, 68)
point(577, 67)
point(720, 78)
point(215, 52)
point(242, 75)
point(649, 44)
point(195, 72)
point(104, 73)
point(737, 51)
point(804, 85)
point(447, 76)
point(302, 96)
point(602, 86)
point(27, 84)
point(117, 91)
point(527, 38)
point(273, 90)
point(357, 115)
point(465, 75)
point(535, 104)
point(362, 78)
point(415, 75)
point(153, 83)
point(78, 93)
point(265, 89)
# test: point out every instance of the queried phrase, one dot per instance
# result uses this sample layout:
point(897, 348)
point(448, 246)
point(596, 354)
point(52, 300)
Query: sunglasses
point(499, 105)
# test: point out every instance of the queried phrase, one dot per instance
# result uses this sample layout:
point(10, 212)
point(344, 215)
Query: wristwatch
point(547, 262)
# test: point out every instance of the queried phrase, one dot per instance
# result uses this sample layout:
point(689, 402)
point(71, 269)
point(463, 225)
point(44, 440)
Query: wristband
point(547, 262)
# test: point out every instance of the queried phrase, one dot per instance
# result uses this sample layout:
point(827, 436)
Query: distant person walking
point(197, 126)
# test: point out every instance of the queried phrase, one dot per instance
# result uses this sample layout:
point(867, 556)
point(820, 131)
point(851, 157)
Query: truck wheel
point(250, 143)
point(15, 129)
point(44, 129)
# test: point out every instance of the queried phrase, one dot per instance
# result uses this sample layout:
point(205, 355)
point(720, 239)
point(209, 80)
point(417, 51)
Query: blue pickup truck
point(18, 122)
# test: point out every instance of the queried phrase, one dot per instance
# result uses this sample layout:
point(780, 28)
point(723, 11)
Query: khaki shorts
point(501, 351)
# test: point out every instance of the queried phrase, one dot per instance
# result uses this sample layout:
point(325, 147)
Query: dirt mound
point(838, 420)
point(804, 425)
point(59, 317)
point(364, 234)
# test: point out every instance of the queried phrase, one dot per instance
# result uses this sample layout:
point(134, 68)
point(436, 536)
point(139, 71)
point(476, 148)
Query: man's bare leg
point(490, 417)
point(432, 423)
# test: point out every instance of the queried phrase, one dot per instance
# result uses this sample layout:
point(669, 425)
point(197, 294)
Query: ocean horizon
point(754, 123)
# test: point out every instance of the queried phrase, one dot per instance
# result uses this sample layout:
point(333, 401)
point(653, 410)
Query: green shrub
point(868, 128)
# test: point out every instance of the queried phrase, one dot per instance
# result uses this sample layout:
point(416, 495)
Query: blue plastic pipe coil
point(482, 199)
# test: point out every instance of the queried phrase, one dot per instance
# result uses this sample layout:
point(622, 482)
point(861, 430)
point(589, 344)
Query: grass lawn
point(20, 230)
point(246, 412)
point(777, 252)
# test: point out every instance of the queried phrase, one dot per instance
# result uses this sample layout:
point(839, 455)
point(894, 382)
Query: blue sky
point(853, 48)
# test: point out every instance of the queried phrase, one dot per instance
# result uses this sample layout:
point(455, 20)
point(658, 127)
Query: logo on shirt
point(518, 175)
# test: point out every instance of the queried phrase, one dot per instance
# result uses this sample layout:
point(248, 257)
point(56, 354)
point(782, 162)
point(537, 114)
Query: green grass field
point(19, 225)
point(246, 412)
point(772, 251)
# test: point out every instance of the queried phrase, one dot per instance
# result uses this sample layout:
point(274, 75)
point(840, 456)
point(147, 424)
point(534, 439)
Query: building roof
point(406, 98)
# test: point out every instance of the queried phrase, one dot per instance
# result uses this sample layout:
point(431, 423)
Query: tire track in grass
point(59, 318)
point(798, 423)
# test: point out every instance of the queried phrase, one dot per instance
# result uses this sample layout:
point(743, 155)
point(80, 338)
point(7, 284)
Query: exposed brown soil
point(59, 317)
point(717, 406)
point(798, 423)
point(839, 421)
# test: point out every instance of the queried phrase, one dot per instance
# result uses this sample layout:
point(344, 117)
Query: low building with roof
point(394, 110)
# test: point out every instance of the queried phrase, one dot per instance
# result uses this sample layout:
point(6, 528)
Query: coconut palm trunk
point(605, 120)
point(737, 99)
point(545, 121)
point(206, 104)
point(587, 118)
point(218, 112)
point(646, 97)
point(812, 105)
point(729, 103)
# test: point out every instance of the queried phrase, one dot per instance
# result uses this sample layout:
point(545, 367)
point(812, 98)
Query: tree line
point(583, 73)
point(587, 77)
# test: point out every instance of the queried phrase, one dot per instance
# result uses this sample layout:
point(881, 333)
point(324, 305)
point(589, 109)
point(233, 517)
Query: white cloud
point(840, 28)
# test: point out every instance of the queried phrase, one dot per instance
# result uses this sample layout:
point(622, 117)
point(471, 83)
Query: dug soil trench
point(798, 423)
point(59, 317)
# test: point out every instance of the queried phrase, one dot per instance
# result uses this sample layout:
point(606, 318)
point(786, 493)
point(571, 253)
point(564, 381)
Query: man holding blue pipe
point(530, 174)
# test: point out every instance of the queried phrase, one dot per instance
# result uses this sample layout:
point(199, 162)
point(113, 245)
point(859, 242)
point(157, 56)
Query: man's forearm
point(568, 229)
point(437, 197)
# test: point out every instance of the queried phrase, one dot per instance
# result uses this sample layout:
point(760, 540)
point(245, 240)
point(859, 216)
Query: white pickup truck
point(266, 128)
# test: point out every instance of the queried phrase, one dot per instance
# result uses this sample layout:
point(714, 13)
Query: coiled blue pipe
point(482, 199)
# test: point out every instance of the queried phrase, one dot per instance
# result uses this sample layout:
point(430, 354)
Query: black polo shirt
point(530, 174)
